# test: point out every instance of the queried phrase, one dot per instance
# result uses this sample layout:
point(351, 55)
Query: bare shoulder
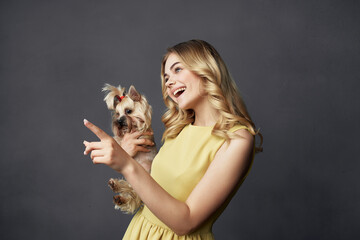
point(243, 144)
point(245, 135)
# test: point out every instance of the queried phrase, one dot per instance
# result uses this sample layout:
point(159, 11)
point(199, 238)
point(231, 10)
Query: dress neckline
point(200, 127)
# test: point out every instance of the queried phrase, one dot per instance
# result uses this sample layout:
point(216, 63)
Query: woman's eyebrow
point(172, 66)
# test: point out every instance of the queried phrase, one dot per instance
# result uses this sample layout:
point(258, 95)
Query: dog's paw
point(119, 200)
point(113, 184)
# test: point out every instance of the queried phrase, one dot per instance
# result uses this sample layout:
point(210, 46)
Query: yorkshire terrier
point(130, 112)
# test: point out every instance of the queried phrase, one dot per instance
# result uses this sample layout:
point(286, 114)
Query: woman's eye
point(177, 69)
point(128, 111)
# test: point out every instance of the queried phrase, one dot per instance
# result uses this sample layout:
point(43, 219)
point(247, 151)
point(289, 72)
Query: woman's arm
point(229, 166)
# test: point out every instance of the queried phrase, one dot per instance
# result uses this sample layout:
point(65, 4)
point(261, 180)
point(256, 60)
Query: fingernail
point(85, 121)
point(84, 153)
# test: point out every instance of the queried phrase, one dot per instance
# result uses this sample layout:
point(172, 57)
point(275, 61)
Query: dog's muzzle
point(122, 121)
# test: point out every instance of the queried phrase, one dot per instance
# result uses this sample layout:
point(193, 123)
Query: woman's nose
point(169, 82)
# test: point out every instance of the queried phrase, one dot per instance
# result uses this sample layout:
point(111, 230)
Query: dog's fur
point(130, 112)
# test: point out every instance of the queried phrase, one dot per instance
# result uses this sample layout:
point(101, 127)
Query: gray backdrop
point(296, 64)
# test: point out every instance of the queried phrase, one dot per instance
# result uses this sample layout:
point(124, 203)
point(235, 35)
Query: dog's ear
point(117, 99)
point(111, 93)
point(133, 94)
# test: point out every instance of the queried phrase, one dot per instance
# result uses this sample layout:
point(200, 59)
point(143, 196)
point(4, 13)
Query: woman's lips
point(179, 91)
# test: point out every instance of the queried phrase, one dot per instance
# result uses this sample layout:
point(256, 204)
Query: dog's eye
point(128, 111)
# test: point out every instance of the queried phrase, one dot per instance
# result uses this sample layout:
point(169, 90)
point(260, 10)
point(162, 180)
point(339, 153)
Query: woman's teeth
point(179, 90)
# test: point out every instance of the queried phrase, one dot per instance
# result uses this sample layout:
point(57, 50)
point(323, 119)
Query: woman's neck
point(206, 116)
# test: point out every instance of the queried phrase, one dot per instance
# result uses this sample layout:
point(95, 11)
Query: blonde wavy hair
point(203, 60)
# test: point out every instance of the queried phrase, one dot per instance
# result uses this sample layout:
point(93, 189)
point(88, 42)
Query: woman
point(207, 152)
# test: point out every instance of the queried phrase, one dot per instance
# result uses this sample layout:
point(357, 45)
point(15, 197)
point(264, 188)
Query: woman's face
point(183, 87)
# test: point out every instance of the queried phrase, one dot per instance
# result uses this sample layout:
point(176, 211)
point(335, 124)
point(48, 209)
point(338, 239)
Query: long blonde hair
point(203, 60)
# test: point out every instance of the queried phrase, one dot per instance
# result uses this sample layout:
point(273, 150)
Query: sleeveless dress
point(179, 165)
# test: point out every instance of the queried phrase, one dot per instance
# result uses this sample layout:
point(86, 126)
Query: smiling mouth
point(179, 91)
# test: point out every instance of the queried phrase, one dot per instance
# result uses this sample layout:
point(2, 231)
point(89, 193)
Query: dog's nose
point(122, 121)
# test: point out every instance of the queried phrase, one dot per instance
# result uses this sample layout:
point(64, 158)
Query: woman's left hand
point(107, 151)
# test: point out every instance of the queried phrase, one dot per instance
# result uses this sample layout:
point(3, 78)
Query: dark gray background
point(296, 64)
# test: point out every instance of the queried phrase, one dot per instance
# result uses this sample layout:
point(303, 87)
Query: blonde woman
point(207, 153)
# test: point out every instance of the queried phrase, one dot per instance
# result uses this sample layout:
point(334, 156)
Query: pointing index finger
point(96, 130)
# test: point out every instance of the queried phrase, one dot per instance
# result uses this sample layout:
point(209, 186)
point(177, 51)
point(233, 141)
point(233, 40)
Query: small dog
point(130, 112)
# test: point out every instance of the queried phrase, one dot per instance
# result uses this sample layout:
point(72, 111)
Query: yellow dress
point(178, 167)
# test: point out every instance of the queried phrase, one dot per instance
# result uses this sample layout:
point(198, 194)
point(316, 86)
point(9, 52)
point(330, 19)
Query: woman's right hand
point(106, 151)
point(132, 143)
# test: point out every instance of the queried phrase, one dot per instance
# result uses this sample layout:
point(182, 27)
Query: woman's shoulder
point(243, 134)
point(237, 127)
point(241, 145)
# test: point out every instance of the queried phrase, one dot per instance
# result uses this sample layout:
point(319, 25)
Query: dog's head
point(130, 111)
